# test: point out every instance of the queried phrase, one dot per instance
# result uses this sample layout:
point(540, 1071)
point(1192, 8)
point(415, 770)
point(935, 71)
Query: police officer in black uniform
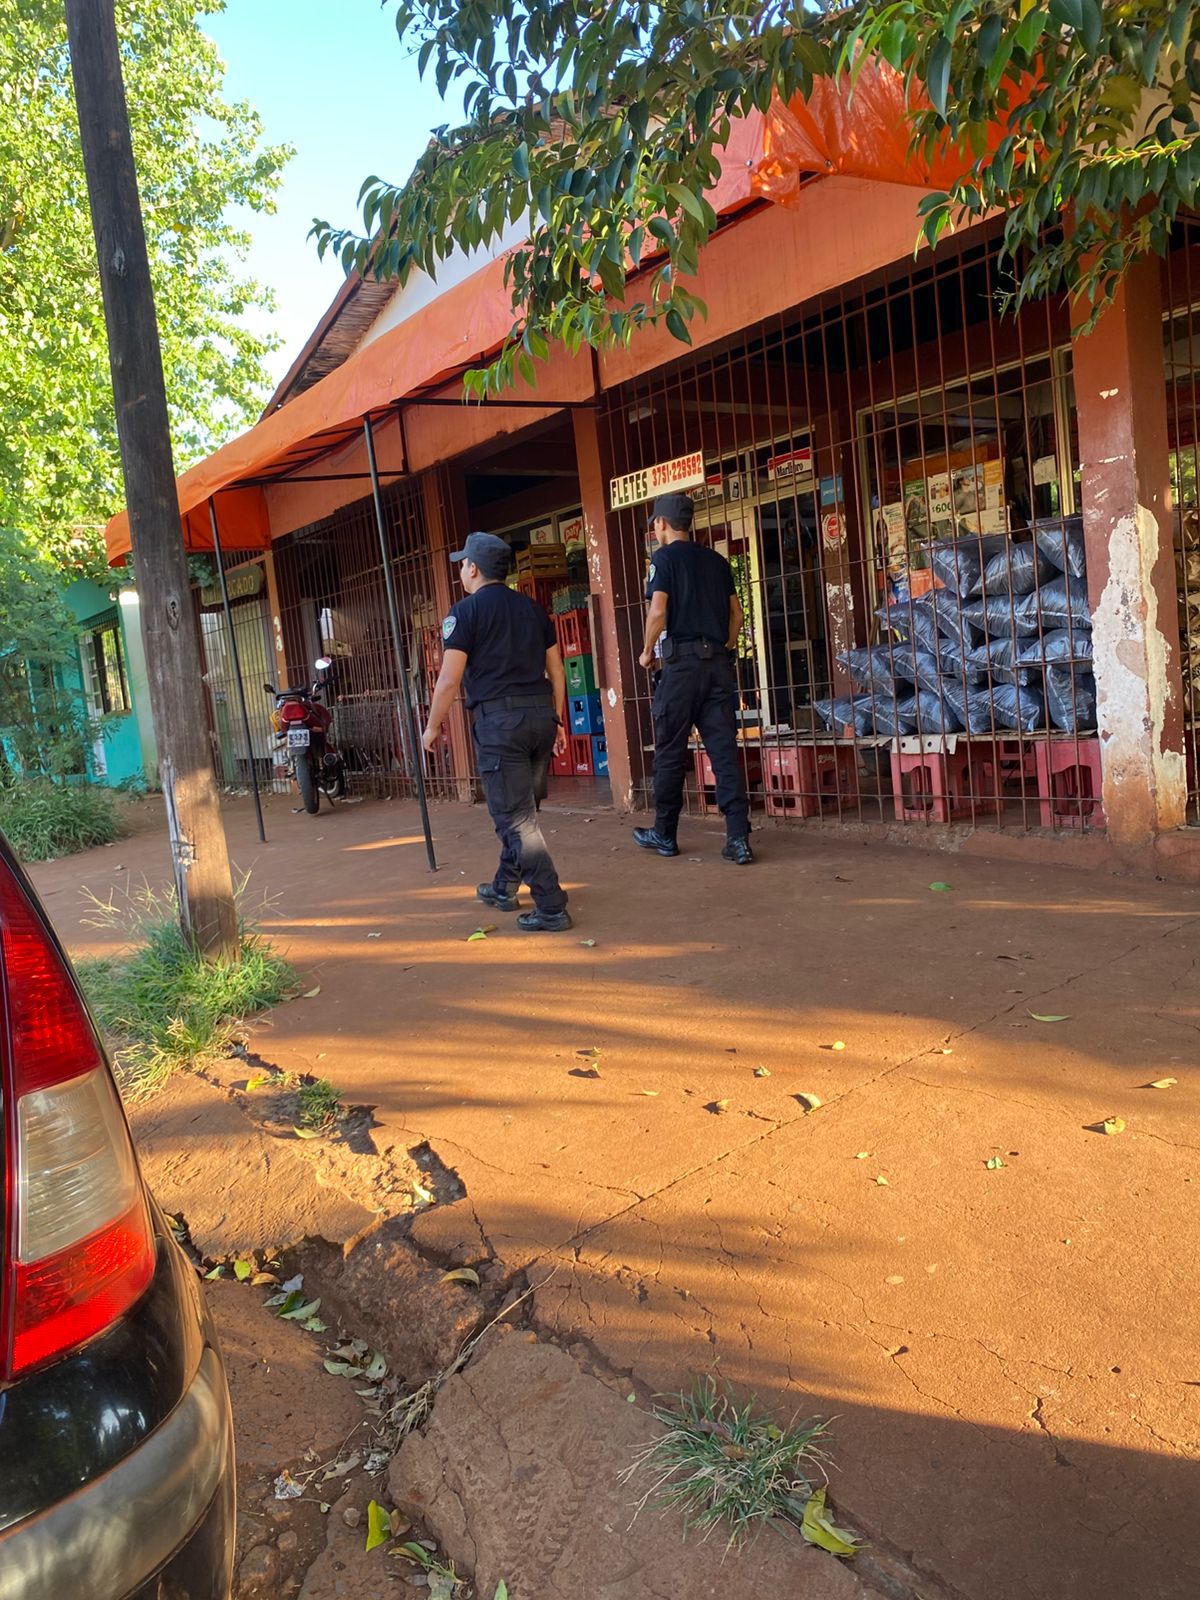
point(501, 647)
point(694, 607)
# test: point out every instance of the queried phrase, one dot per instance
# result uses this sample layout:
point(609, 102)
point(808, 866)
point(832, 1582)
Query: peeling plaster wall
point(1133, 687)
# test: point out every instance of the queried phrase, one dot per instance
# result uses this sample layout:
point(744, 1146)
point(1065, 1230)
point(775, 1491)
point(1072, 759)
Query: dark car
point(116, 1441)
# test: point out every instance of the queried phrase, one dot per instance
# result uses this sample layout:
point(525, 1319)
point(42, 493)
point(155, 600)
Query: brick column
point(616, 664)
point(1120, 392)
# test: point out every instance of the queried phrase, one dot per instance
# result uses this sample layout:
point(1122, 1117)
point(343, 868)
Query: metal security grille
point(333, 602)
point(1181, 357)
point(235, 760)
point(892, 472)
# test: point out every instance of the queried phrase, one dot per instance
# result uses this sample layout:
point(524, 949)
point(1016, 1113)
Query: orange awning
point(860, 133)
point(461, 327)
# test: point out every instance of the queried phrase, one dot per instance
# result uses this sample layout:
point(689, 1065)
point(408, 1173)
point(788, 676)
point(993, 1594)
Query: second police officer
point(501, 647)
point(695, 610)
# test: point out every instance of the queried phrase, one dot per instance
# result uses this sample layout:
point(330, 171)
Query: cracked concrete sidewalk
point(1007, 1351)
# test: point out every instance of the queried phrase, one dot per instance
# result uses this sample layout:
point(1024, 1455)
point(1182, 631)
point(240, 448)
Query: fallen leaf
point(300, 1313)
point(863, 1155)
point(243, 1270)
point(501, 1591)
point(1043, 1016)
point(311, 994)
point(588, 944)
point(478, 934)
point(1113, 1125)
point(461, 1275)
point(762, 1072)
point(882, 1181)
point(261, 1278)
point(306, 1133)
point(258, 1080)
point(215, 1273)
point(651, 1094)
point(993, 1164)
point(838, 1044)
point(423, 1195)
point(584, 1072)
point(340, 1369)
point(377, 1370)
point(940, 887)
point(717, 1107)
point(379, 1525)
point(1163, 1083)
point(818, 1528)
point(592, 1051)
point(315, 1325)
point(810, 1102)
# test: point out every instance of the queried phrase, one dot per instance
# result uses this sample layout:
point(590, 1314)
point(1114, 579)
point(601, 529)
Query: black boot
point(544, 921)
point(651, 839)
point(739, 852)
point(491, 896)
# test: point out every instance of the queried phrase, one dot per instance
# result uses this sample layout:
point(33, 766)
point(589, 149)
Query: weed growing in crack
point(162, 1005)
point(319, 1104)
point(721, 1464)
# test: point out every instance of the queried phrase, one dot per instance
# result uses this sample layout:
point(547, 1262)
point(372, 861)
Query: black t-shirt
point(504, 636)
point(698, 584)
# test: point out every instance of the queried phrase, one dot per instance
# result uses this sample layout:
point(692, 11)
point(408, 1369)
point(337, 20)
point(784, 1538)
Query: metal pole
point(237, 665)
point(398, 645)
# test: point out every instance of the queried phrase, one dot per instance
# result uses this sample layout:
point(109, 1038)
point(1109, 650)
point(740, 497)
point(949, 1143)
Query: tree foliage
point(198, 157)
point(601, 121)
point(43, 725)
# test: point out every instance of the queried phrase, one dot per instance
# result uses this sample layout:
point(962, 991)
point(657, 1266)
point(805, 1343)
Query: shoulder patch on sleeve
point(653, 570)
point(448, 626)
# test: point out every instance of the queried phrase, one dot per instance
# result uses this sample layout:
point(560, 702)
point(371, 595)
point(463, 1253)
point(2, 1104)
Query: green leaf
point(300, 1313)
point(994, 1164)
point(520, 162)
point(937, 75)
point(939, 887)
point(379, 1525)
point(1042, 1016)
point(461, 1275)
point(242, 1270)
point(677, 327)
point(501, 1590)
point(818, 1528)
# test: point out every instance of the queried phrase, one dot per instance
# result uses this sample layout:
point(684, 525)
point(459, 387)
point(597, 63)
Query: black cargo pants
point(698, 692)
point(513, 746)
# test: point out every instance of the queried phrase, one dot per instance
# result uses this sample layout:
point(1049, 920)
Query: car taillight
point(78, 1246)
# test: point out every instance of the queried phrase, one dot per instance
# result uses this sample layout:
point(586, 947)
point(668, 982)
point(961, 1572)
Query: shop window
point(105, 683)
point(991, 454)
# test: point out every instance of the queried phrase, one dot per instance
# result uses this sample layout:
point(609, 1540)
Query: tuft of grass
point(163, 1007)
point(320, 1104)
point(724, 1465)
point(45, 820)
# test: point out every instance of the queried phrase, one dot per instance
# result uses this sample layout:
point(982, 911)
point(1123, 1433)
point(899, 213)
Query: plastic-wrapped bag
point(1062, 603)
point(912, 664)
point(1060, 644)
point(1001, 615)
point(999, 709)
point(930, 712)
point(948, 615)
point(1062, 544)
point(890, 718)
point(847, 711)
point(958, 563)
point(870, 669)
point(908, 621)
point(1071, 699)
point(1018, 570)
point(998, 659)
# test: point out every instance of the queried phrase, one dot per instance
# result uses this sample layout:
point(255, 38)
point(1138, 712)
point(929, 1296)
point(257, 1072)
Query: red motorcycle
point(303, 723)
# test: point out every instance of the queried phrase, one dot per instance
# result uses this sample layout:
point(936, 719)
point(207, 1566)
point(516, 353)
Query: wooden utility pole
point(198, 851)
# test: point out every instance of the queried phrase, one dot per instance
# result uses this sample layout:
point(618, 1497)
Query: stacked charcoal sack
point(1002, 646)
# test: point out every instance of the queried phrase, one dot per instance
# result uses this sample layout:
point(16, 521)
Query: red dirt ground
point(1008, 1352)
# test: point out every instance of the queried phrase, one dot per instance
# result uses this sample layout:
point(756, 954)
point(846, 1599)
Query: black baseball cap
point(676, 509)
point(490, 554)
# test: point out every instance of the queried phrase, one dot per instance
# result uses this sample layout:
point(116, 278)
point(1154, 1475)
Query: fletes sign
point(685, 472)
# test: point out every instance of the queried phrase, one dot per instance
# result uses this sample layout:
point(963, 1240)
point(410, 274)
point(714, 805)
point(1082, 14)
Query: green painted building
point(110, 679)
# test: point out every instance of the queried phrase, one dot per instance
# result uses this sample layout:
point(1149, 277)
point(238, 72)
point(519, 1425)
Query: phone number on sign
point(685, 472)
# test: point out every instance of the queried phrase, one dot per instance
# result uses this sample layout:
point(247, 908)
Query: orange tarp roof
point(463, 325)
point(859, 132)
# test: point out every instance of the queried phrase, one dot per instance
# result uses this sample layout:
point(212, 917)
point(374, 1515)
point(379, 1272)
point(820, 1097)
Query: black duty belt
point(515, 702)
point(702, 649)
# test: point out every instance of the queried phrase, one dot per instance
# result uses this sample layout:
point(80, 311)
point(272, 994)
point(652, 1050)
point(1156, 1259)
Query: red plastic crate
point(751, 760)
point(800, 780)
point(1070, 783)
point(561, 766)
point(938, 785)
point(574, 633)
point(579, 751)
point(539, 589)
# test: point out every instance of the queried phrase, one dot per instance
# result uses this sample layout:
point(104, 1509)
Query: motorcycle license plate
point(298, 738)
